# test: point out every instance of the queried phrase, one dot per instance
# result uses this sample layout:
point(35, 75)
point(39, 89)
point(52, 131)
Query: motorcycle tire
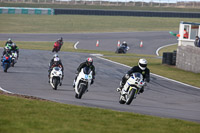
point(55, 83)
point(131, 97)
point(6, 68)
point(12, 63)
point(81, 91)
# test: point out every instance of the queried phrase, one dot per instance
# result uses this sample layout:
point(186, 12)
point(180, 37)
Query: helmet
point(13, 44)
point(9, 40)
point(55, 55)
point(89, 61)
point(56, 61)
point(124, 43)
point(142, 64)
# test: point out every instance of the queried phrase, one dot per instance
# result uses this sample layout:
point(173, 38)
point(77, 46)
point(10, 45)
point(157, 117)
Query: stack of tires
point(169, 58)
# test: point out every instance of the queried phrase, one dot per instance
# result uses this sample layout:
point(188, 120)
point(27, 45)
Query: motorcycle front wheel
point(81, 91)
point(130, 97)
point(55, 83)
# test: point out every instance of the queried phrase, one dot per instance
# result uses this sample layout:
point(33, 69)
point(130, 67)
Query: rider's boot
point(119, 89)
point(141, 90)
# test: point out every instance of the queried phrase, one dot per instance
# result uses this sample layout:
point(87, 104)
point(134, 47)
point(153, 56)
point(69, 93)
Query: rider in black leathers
point(141, 68)
point(87, 63)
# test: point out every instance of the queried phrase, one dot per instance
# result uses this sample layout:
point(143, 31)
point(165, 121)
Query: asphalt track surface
point(162, 97)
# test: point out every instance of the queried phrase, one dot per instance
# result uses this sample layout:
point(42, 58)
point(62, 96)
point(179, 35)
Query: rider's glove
point(92, 81)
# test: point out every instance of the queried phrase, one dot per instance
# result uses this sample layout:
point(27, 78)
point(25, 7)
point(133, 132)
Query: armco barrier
point(126, 13)
point(16, 10)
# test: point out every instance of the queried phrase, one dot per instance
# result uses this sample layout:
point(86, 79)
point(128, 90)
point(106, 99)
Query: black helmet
point(89, 61)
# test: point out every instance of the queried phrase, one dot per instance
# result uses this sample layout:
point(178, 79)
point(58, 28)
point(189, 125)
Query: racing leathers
point(145, 73)
point(82, 65)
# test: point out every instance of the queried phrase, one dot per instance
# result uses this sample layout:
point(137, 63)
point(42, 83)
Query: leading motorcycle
point(131, 88)
point(83, 81)
point(56, 77)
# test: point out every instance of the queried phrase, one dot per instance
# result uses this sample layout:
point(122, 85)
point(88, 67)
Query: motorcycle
point(13, 58)
point(83, 81)
point(56, 47)
point(122, 49)
point(56, 77)
point(131, 88)
point(6, 63)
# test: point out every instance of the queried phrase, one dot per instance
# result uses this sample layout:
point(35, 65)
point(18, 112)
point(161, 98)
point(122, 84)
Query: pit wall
point(188, 58)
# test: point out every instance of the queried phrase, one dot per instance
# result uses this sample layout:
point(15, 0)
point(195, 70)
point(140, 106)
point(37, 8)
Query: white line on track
point(157, 51)
point(75, 45)
point(5, 91)
point(99, 56)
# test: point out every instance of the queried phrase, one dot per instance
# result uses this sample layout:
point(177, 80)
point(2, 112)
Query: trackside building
point(188, 55)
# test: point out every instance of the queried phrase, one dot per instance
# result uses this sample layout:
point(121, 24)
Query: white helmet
point(142, 64)
point(56, 59)
point(13, 44)
point(55, 55)
point(9, 39)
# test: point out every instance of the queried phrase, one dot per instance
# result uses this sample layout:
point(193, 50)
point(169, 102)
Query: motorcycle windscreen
point(87, 70)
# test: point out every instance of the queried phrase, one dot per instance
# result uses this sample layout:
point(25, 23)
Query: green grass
point(82, 23)
point(122, 7)
point(21, 115)
point(168, 49)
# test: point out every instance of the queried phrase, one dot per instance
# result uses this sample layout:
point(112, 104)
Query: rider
point(52, 60)
point(9, 42)
point(56, 63)
point(141, 68)
point(14, 48)
point(5, 57)
point(60, 41)
point(7, 51)
point(87, 63)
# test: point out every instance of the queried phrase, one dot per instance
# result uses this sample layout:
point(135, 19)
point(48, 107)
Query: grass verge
point(28, 115)
point(82, 23)
point(168, 49)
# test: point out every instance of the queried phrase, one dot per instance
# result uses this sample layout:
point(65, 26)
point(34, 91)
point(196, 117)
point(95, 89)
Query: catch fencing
point(139, 3)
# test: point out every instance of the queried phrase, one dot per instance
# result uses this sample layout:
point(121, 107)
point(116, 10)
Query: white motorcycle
point(56, 77)
point(131, 88)
point(13, 56)
point(83, 81)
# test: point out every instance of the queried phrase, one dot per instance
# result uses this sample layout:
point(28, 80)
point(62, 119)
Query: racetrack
point(108, 41)
point(162, 97)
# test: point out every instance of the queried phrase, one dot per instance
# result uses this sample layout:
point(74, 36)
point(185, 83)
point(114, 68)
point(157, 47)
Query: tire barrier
point(126, 13)
point(169, 58)
point(16, 10)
